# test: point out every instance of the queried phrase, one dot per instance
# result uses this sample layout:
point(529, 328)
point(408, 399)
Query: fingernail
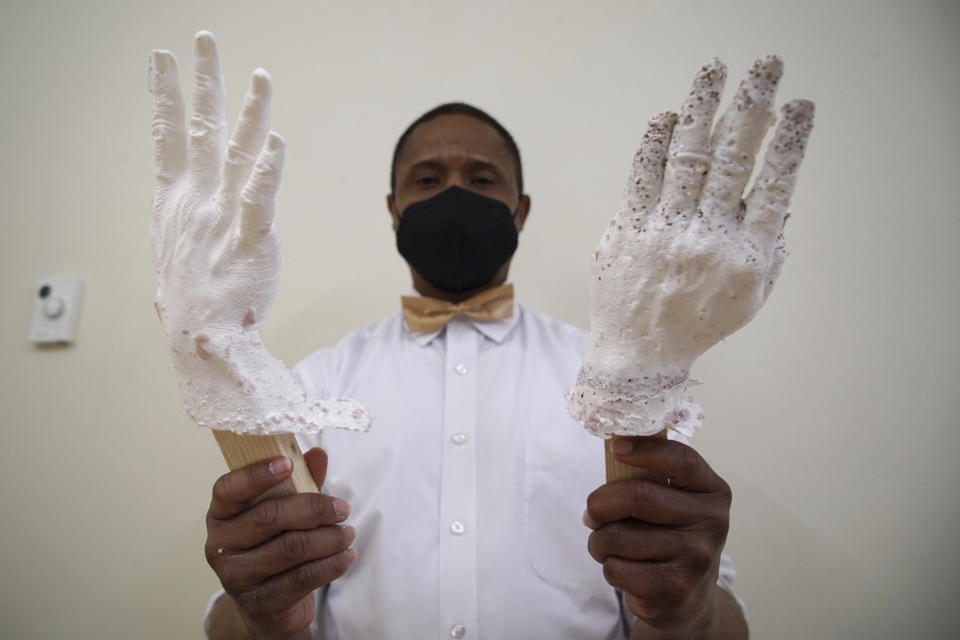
point(351, 554)
point(622, 446)
point(351, 534)
point(341, 508)
point(280, 465)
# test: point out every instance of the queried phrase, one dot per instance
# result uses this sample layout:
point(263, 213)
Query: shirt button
point(461, 369)
point(458, 631)
point(457, 528)
point(458, 438)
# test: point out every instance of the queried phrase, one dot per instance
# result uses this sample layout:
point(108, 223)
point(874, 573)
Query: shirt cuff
point(314, 626)
point(206, 616)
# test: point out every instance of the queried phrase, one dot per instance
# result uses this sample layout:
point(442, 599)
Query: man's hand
point(270, 556)
point(217, 254)
point(660, 542)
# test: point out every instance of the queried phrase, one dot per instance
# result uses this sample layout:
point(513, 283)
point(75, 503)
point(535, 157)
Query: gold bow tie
point(424, 315)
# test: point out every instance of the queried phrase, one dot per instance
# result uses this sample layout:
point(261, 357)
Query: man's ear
point(522, 212)
point(392, 208)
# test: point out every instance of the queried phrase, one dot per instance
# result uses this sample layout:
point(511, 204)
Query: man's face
point(456, 150)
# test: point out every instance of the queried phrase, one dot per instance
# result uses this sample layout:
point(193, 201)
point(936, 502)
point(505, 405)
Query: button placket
point(457, 560)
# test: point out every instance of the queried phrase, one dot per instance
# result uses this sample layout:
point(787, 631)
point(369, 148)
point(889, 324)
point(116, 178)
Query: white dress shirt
point(468, 491)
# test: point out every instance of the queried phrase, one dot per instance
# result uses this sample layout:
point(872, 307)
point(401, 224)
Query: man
point(465, 498)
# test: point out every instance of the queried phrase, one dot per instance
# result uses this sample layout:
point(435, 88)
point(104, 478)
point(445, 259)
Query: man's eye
point(426, 181)
point(482, 181)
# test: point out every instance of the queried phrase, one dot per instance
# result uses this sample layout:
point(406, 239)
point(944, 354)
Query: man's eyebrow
point(484, 164)
point(471, 163)
point(424, 164)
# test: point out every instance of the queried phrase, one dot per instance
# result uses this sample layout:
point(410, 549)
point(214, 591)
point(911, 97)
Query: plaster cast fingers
point(217, 255)
point(689, 159)
point(687, 261)
point(642, 191)
point(169, 135)
point(247, 138)
point(208, 125)
point(737, 137)
point(768, 200)
point(257, 203)
point(776, 263)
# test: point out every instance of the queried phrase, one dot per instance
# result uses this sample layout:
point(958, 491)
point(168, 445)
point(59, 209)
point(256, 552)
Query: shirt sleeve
point(206, 616)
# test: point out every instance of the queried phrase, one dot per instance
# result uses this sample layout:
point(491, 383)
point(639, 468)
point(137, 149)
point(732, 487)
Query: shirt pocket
point(558, 477)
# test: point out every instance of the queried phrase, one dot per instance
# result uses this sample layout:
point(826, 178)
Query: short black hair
point(458, 108)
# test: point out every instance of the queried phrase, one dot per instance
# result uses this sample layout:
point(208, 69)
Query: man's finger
point(635, 540)
point(233, 492)
point(737, 139)
point(688, 159)
point(286, 589)
point(247, 138)
point(685, 468)
point(768, 200)
point(169, 135)
point(657, 585)
point(317, 463)
point(208, 125)
point(643, 500)
point(284, 552)
point(258, 200)
point(270, 518)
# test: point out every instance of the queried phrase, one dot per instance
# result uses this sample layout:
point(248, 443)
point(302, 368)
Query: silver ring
point(668, 482)
point(220, 550)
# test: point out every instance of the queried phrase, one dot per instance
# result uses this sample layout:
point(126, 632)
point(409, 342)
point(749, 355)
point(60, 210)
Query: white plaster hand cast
point(217, 254)
point(687, 260)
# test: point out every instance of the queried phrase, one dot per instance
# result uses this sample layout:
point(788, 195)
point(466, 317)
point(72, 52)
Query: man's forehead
point(454, 136)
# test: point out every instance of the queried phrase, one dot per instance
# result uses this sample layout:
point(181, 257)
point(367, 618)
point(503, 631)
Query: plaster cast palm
point(217, 254)
point(687, 260)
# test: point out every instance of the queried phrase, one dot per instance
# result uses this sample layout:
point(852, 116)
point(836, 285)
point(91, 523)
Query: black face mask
point(457, 240)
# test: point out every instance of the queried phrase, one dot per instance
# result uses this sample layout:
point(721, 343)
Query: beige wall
point(833, 415)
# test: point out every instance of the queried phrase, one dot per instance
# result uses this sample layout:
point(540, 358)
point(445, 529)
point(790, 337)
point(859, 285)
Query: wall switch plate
point(56, 310)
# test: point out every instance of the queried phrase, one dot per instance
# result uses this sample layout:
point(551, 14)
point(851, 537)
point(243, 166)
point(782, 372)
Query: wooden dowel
point(242, 450)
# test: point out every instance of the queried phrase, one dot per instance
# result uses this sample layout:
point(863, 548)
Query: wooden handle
point(616, 470)
point(242, 450)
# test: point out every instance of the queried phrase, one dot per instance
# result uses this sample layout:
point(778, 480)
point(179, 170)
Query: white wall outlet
point(56, 310)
